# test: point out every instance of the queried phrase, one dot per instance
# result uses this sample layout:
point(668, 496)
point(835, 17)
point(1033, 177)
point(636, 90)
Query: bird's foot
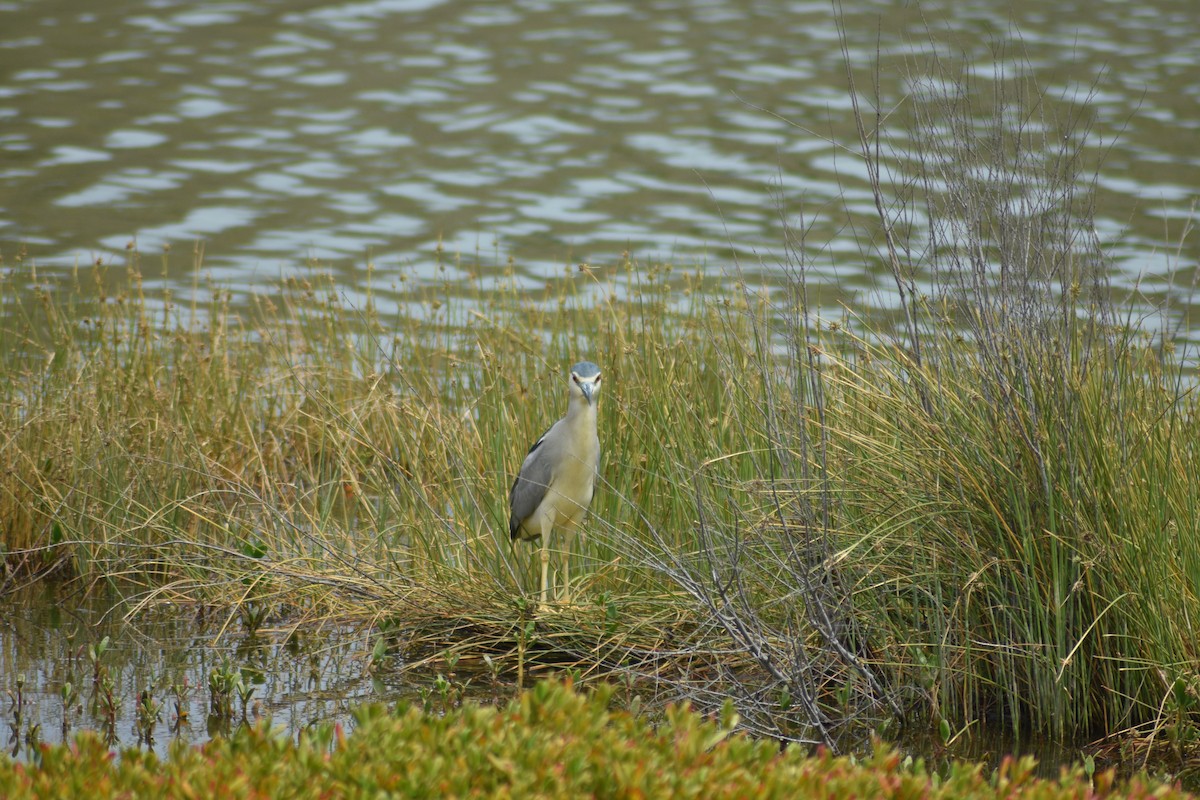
point(545, 608)
point(563, 603)
point(560, 602)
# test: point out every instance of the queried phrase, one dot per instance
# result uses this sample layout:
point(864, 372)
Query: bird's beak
point(589, 391)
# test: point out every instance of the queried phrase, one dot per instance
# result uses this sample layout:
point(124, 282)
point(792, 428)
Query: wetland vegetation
point(550, 742)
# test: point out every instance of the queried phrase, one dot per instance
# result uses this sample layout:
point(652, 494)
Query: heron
point(554, 488)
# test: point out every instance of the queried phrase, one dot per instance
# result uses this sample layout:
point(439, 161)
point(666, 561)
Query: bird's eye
point(597, 380)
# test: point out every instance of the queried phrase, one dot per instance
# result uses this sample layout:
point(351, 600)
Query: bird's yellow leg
point(565, 555)
point(545, 555)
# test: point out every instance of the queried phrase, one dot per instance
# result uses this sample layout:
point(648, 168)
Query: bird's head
point(585, 381)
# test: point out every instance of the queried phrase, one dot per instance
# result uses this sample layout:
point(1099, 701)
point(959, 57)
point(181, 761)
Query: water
point(276, 132)
point(298, 675)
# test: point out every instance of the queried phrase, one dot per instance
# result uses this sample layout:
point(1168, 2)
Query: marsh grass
point(316, 459)
point(982, 505)
point(829, 530)
point(1048, 488)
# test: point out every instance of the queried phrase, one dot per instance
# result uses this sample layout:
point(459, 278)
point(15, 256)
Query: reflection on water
point(47, 640)
point(559, 132)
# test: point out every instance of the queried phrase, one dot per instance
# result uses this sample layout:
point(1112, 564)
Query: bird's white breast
point(573, 482)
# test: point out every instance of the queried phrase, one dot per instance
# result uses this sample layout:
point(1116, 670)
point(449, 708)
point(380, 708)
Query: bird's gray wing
point(530, 486)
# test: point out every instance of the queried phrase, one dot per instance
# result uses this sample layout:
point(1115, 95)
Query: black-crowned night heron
point(554, 487)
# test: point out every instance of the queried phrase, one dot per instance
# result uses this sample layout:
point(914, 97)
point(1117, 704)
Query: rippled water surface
point(277, 131)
